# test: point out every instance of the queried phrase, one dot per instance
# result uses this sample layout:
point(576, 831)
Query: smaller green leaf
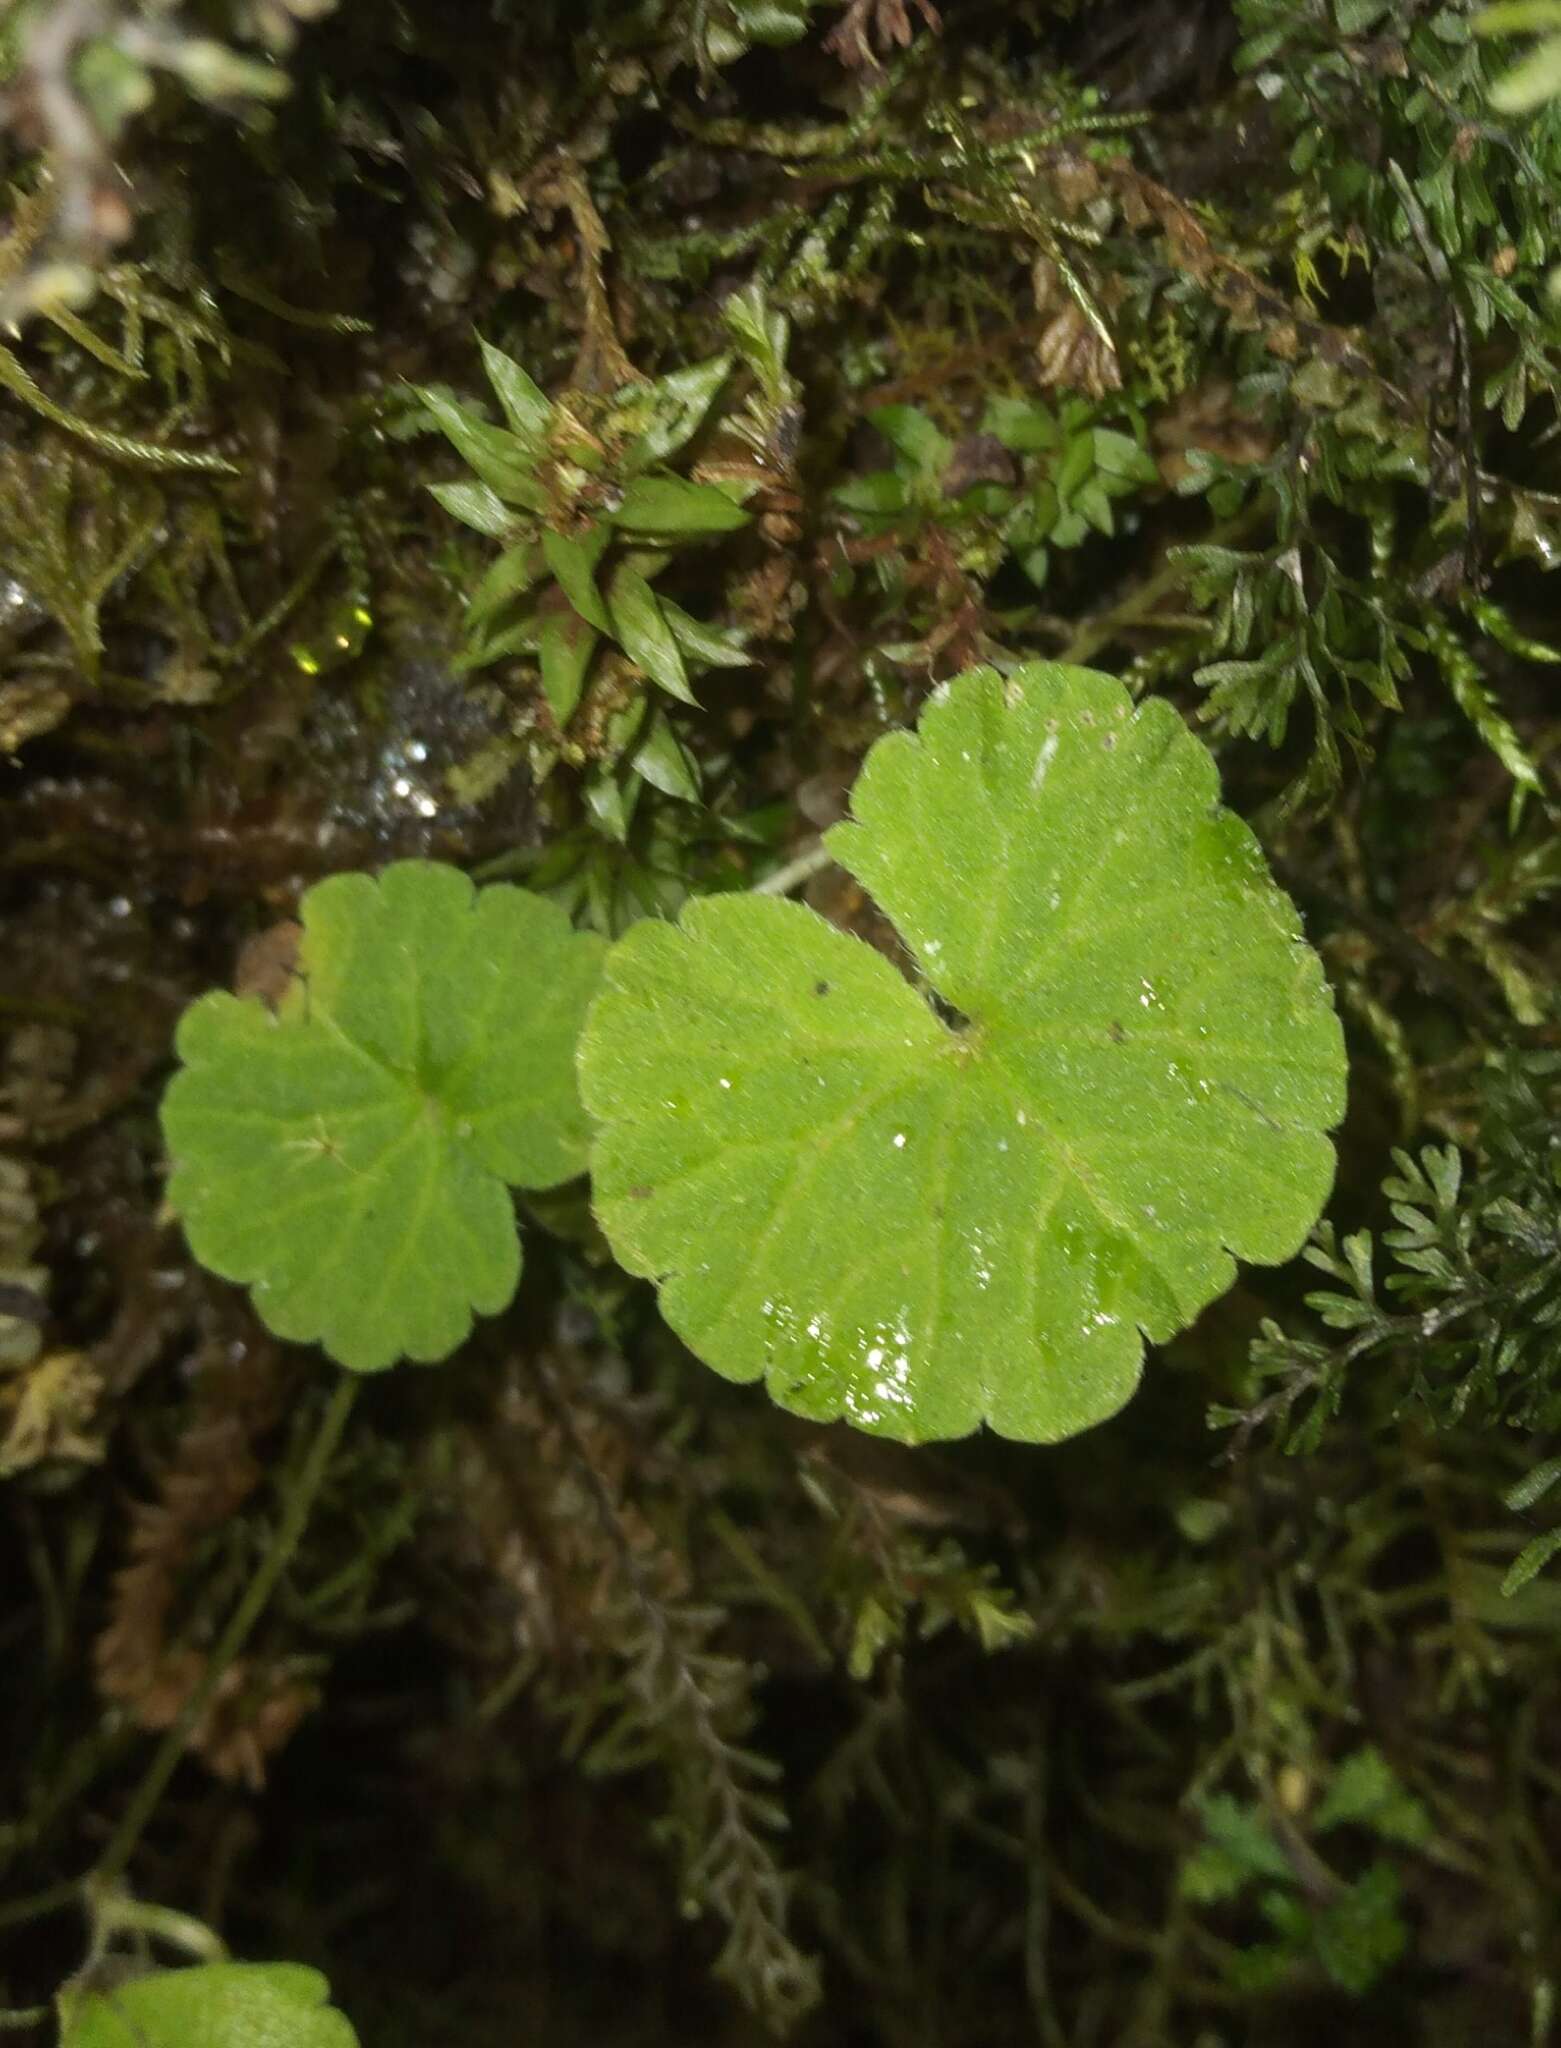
point(1356, 16)
point(774, 23)
point(664, 763)
point(645, 636)
point(1036, 564)
point(213, 2005)
point(1257, 50)
point(478, 506)
point(910, 433)
point(1533, 1486)
point(1020, 424)
point(565, 646)
point(1367, 1792)
point(709, 644)
point(526, 406)
point(1530, 1562)
point(502, 462)
point(1094, 504)
point(882, 495)
point(1076, 466)
point(573, 565)
point(349, 1155)
point(511, 576)
point(490, 644)
point(1119, 456)
point(671, 508)
point(1361, 1932)
point(609, 805)
point(1239, 1847)
point(673, 407)
point(760, 333)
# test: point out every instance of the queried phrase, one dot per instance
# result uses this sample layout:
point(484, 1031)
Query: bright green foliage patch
point(349, 1155)
point(215, 2005)
point(918, 1221)
point(1352, 1931)
point(580, 493)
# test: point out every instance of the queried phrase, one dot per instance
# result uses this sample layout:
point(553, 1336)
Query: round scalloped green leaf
point(349, 1155)
point(920, 1216)
point(213, 2005)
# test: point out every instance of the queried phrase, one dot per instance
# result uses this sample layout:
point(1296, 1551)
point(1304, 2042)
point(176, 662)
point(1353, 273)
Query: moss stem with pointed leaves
point(112, 1864)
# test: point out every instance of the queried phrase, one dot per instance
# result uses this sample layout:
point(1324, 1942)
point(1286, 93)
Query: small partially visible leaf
point(609, 804)
point(573, 565)
point(675, 404)
point(497, 457)
point(1532, 81)
point(565, 645)
point(212, 2005)
point(760, 333)
point(1524, 1493)
point(643, 632)
point(664, 762)
point(526, 406)
point(489, 644)
point(1367, 1791)
point(1361, 1932)
point(880, 495)
point(1120, 456)
point(349, 1155)
point(771, 22)
point(511, 576)
point(911, 434)
point(1021, 424)
point(1530, 1562)
point(476, 505)
point(1238, 1847)
point(706, 643)
point(672, 508)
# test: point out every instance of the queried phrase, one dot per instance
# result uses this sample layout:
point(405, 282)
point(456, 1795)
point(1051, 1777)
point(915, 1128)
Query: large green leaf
point(349, 1155)
point(917, 1216)
point(214, 2005)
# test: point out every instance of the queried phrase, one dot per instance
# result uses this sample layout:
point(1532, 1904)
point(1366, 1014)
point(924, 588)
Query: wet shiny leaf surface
point(919, 1217)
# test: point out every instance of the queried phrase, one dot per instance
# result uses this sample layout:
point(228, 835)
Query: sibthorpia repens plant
point(919, 1204)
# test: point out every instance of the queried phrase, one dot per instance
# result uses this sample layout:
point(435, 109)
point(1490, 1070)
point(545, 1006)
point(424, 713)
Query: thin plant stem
point(41, 1904)
point(810, 862)
point(111, 1865)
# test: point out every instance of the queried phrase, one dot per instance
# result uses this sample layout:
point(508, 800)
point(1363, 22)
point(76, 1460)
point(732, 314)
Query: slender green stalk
point(812, 861)
point(58, 1896)
point(112, 1863)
